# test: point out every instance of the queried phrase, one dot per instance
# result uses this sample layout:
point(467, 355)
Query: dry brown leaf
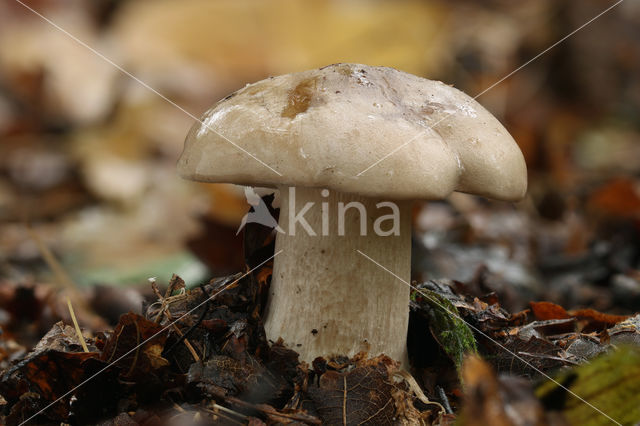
point(589, 319)
point(364, 394)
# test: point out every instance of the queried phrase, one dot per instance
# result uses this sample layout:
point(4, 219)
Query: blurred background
point(88, 154)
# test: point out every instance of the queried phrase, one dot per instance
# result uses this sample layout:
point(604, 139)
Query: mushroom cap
point(324, 127)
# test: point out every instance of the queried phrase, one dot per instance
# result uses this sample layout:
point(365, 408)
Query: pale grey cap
point(323, 127)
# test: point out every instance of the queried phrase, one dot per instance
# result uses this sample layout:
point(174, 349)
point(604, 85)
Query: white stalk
point(325, 298)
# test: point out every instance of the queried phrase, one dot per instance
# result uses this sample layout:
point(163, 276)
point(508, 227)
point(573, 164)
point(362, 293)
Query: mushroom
point(362, 142)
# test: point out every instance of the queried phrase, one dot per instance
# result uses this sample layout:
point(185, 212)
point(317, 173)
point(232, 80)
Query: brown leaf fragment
point(223, 376)
point(363, 395)
point(626, 332)
point(487, 317)
point(540, 329)
point(539, 354)
point(597, 320)
point(223, 373)
point(61, 338)
point(129, 342)
point(47, 373)
point(588, 319)
point(548, 311)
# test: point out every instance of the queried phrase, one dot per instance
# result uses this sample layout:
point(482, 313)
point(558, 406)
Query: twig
point(61, 275)
point(221, 415)
point(227, 410)
point(164, 310)
point(303, 417)
point(77, 326)
point(156, 290)
point(164, 304)
point(415, 388)
point(184, 336)
point(187, 343)
point(62, 278)
point(444, 399)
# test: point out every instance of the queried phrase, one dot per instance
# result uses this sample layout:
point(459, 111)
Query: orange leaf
point(589, 318)
point(548, 311)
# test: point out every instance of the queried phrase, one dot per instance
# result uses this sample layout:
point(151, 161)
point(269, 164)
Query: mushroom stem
point(327, 299)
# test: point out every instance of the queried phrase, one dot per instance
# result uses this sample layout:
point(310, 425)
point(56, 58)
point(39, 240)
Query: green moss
point(452, 334)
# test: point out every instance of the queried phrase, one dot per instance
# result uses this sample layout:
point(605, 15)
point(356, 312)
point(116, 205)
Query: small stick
point(62, 278)
point(187, 343)
point(184, 336)
point(268, 410)
point(218, 411)
point(415, 388)
point(58, 270)
point(226, 410)
point(156, 290)
point(77, 326)
point(164, 310)
point(444, 399)
point(220, 415)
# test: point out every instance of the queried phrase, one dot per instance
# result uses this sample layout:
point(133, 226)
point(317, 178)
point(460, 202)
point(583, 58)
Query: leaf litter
point(202, 355)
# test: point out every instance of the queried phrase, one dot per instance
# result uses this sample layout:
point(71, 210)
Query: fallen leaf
point(548, 311)
point(589, 319)
point(52, 369)
point(224, 376)
point(139, 343)
point(611, 383)
point(361, 395)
